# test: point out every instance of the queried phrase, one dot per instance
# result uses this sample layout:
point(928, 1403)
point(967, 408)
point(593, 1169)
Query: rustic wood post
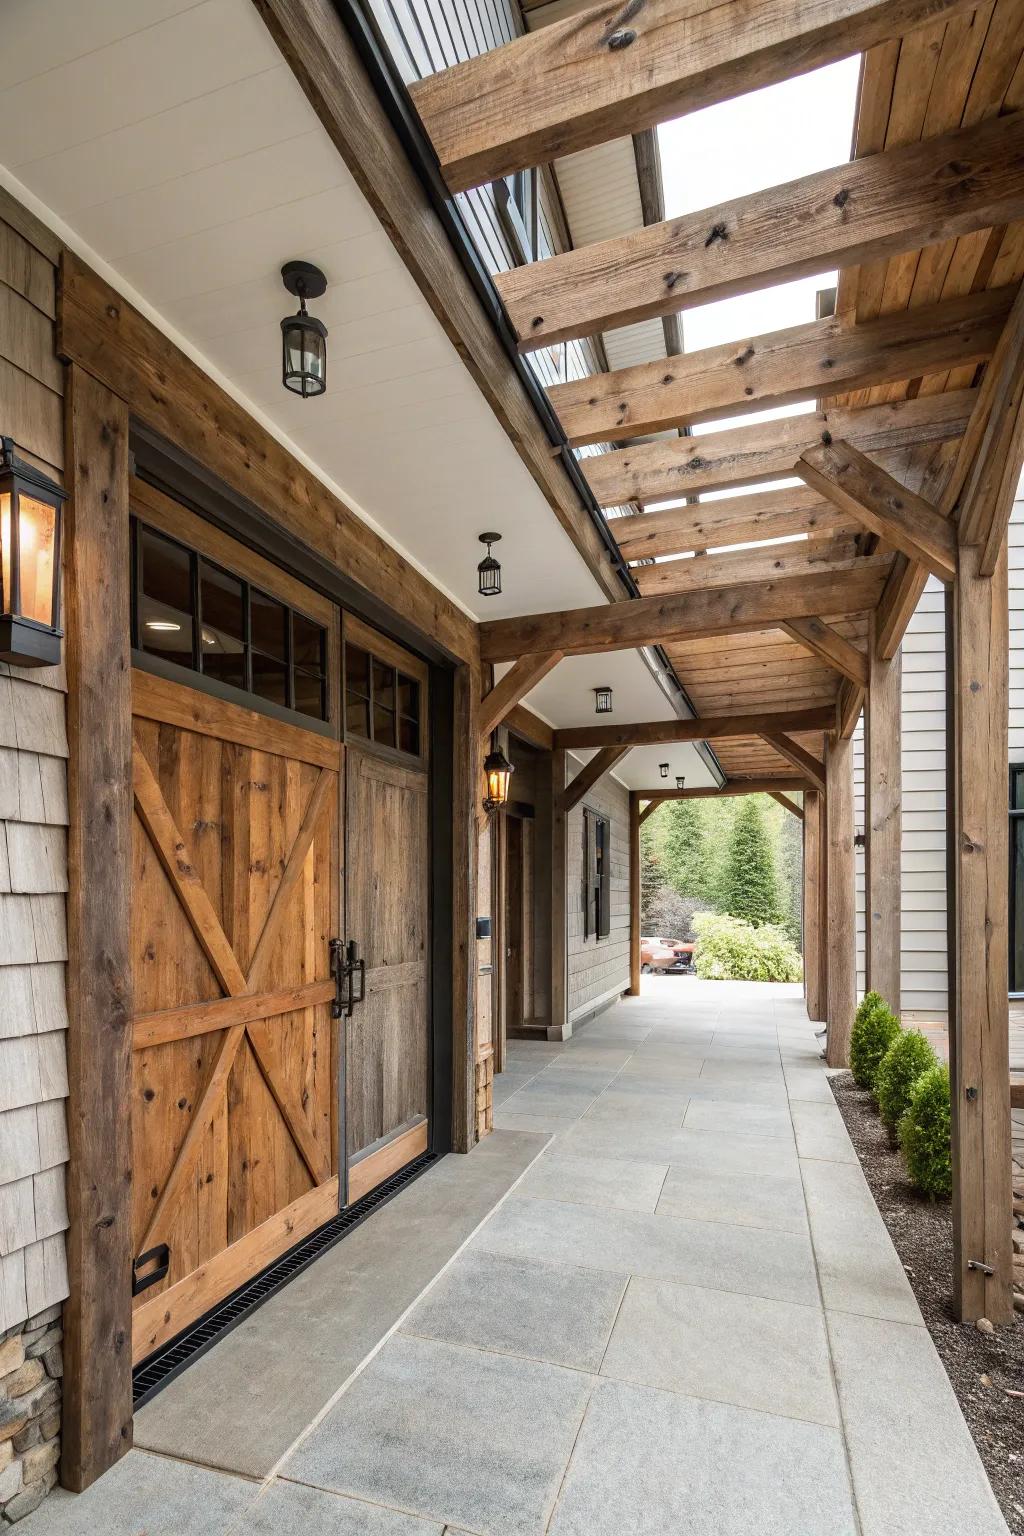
point(977, 661)
point(812, 932)
point(559, 1021)
point(97, 1413)
point(467, 800)
point(634, 894)
point(841, 940)
point(883, 823)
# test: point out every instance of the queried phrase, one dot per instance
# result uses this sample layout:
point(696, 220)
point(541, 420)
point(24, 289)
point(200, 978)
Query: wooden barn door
point(387, 1067)
point(236, 886)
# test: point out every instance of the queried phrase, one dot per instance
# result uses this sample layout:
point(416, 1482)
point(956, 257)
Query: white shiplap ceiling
point(168, 142)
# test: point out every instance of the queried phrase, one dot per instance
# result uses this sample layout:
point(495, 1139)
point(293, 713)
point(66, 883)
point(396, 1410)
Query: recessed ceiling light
point(167, 626)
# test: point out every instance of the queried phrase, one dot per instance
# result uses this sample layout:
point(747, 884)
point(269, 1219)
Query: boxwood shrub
point(875, 1027)
point(924, 1134)
point(907, 1058)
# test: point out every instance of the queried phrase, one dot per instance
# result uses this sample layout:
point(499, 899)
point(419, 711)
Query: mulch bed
point(922, 1234)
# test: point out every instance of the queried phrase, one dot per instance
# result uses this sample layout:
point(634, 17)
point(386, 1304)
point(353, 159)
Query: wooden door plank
point(321, 799)
point(598, 75)
point(155, 698)
point(365, 1173)
point(174, 855)
point(780, 368)
point(268, 1056)
point(185, 1023)
point(878, 206)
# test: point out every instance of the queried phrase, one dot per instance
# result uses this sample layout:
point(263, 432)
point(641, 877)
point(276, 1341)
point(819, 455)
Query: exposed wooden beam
point(326, 63)
point(991, 484)
point(868, 209)
point(848, 708)
point(805, 763)
point(703, 728)
point(802, 362)
point(523, 722)
point(647, 158)
point(883, 826)
point(601, 763)
point(705, 573)
point(730, 520)
point(853, 586)
point(718, 461)
point(589, 78)
point(829, 646)
point(760, 786)
point(510, 689)
point(813, 901)
point(866, 492)
point(648, 810)
point(787, 804)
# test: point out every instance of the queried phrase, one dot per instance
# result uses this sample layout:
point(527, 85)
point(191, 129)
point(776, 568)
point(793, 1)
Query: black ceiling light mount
point(30, 528)
point(603, 700)
point(663, 770)
point(680, 781)
point(489, 569)
point(303, 337)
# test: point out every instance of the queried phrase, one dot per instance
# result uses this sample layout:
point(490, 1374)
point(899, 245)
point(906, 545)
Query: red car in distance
point(663, 955)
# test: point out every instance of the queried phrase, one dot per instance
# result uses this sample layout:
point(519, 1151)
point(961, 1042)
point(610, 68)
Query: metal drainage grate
point(172, 1358)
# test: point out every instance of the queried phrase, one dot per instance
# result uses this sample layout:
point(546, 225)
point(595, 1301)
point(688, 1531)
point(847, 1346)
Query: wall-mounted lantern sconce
point(602, 701)
point(497, 772)
point(663, 770)
point(489, 570)
point(680, 781)
point(303, 338)
point(30, 519)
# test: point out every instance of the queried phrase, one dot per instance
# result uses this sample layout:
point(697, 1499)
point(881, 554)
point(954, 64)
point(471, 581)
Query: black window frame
point(398, 715)
point(596, 884)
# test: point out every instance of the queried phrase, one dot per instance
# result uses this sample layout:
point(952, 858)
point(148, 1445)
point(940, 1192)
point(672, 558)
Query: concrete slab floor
point(659, 1302)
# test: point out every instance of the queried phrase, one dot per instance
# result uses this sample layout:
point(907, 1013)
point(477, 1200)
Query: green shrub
point(898, 1071)
point(875, 1027)
point(729, 949)
point(924, 1134)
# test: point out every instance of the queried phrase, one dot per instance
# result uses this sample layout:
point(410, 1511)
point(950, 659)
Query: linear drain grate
point(167, 1362)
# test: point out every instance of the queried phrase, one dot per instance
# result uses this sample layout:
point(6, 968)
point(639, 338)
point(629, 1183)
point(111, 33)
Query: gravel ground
point(983, 1368)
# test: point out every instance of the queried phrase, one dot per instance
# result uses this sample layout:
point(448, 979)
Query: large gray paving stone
point(291, 1509)
point(478, 1440)
point(821, 1132)
point(734, 1118)
point(610, 1181)
point(757, 1263)
point(774, 1202)
point(540, 1311)
point(649, 1463)
point(147, 1494)
point(769, 1355)
point(858, 1266)
point(689, 1149)
point(915, 1468)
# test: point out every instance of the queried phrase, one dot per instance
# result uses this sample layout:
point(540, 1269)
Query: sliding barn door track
point(168, 1361)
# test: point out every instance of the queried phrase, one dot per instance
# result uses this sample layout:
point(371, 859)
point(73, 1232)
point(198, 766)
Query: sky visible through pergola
point(741, 146)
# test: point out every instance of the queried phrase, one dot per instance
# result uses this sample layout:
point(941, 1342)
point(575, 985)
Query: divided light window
point(382, 704)
point(190, 611)
point(597, 844)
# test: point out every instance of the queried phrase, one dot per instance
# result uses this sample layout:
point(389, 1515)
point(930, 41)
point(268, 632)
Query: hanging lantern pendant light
point(489, 569)
point(603, 700)
point(303, 337)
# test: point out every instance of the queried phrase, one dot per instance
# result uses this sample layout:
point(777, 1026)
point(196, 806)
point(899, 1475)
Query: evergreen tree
point(750, 880)
point(791, 874)
point(684, 849)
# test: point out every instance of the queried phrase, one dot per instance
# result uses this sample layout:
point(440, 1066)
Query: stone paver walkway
point(685, 1319)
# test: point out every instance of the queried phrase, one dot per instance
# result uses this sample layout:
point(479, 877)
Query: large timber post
point(883, 823)
point(841, 903)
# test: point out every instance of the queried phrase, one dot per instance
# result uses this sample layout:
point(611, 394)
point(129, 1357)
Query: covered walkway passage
point(658, 1299)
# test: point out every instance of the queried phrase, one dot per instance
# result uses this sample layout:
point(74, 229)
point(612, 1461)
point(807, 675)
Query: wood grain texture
point(499, 701)
point(635, 893)
point(703, 728)
point(97, 1411)
point(719, 461)
point(708, 572)
point(841, 930)
point(787, 804)
point(369, 1171)
point(595, 76)
point(824, 641)
point(584, 781)
point(864, 491)
point(852, 586)
point(742, 785)
point(806, 764)
point(779, 368)
point(895, 201)
point(883, 826)
point(708, 525)
point(523, 722)
point(979, 1057)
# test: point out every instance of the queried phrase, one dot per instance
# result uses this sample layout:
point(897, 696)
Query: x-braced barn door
point(387, 1060)
point(236, 898)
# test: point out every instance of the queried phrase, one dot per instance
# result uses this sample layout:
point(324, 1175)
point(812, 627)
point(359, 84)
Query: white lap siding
point(598, 969)
point(33, 854)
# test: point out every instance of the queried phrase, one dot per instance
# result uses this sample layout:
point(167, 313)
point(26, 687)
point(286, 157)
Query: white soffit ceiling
point(169, 140)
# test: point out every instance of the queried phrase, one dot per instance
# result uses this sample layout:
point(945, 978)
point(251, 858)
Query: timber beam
point(780, 368)
point(729, 520)
point(830, 647)
point(868, 209)
point(597, 76)
point(726, 567)
point(764, 785)
point(601, 763)
point(719, 461)
point(867, 493)
point(812, 768)
point(703, 728)
point(787, 804)
point(850, 586)
point(496, 705)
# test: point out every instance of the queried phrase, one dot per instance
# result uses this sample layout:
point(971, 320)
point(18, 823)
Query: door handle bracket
point(346, 966)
